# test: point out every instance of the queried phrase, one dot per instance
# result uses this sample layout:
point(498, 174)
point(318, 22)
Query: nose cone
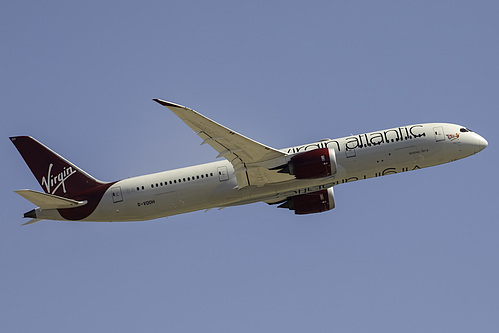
point(482, 143)
point(471, 143)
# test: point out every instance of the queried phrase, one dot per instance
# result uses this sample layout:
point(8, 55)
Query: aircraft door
point(223, 174)
point(439, 133)
point(117, 195)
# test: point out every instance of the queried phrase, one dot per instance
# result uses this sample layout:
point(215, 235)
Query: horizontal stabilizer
point(49, 201)
point(32, 221)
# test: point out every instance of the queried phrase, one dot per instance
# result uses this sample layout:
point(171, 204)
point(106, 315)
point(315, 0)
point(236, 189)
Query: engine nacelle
point(317, 163)
point(310, 203)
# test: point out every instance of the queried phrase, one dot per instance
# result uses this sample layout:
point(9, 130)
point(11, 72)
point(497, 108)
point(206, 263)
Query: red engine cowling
point(317, 163)
point(310, 203)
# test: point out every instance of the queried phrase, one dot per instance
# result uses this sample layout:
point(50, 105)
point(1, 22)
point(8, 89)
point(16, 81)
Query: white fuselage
point(214, 184)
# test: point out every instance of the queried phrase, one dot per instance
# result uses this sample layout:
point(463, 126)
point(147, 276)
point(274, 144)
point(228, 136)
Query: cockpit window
point(463, 130)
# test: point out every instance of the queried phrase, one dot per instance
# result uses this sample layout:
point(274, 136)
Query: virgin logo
point(52, 183)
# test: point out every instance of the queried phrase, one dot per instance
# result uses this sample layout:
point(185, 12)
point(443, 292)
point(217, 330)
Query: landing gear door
point(223, 174)
point(439, 133)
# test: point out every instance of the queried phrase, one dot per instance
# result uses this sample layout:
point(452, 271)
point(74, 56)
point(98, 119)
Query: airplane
point(299, 178)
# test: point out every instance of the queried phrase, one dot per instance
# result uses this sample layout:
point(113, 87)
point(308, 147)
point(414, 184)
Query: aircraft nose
point(482, 143)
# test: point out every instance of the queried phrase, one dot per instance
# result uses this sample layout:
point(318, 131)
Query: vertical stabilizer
point(55, 174)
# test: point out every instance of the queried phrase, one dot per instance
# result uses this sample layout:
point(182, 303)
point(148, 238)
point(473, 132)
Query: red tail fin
point(55, 174)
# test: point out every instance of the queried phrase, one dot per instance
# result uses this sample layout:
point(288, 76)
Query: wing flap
point(49, 201)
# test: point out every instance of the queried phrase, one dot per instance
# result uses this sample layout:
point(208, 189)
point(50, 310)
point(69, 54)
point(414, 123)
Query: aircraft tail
point(56, 175)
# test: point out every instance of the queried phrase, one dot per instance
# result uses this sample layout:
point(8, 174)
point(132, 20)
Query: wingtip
point(157, 100)
point(167, 104)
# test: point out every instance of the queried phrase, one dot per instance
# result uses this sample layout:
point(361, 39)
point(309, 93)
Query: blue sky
point(413, 252)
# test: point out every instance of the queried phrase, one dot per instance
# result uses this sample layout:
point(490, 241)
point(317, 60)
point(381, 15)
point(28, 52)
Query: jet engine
point(317, 163)
point(310, 203)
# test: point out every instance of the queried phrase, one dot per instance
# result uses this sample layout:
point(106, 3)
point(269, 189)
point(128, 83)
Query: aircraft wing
point(251, 160)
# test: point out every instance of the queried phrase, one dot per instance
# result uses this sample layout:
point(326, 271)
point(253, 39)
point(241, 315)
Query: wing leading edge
point(251, 160)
